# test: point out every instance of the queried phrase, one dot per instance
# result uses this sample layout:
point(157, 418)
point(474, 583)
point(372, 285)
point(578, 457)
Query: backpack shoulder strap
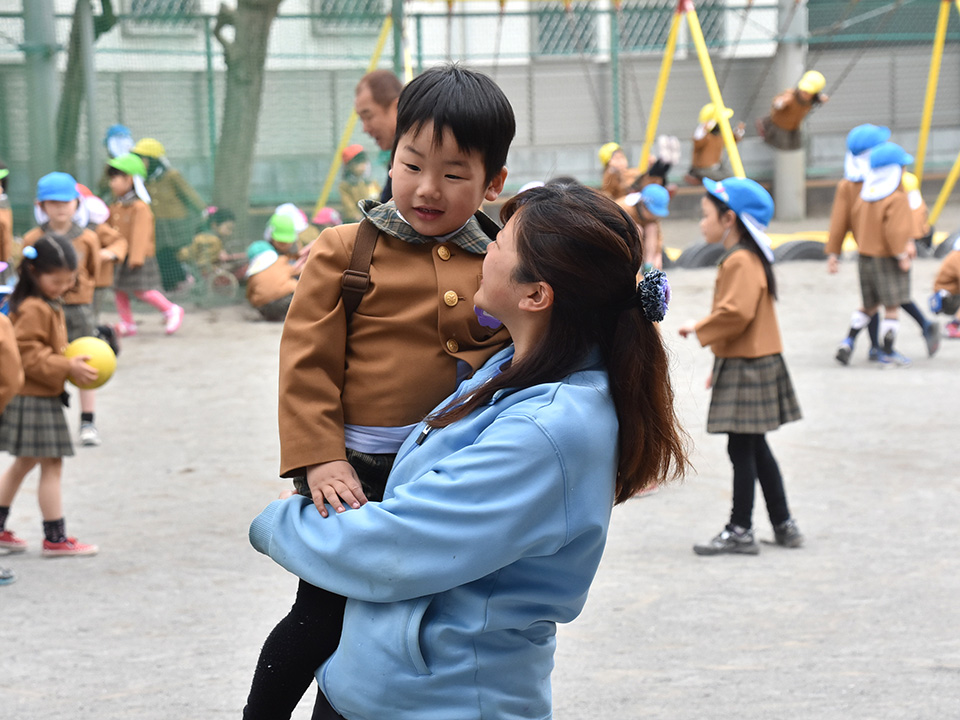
point(356, 278)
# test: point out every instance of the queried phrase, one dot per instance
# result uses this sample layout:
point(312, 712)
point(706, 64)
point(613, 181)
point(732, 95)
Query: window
point(348, 16)
point(161, 17)
point(566, 32)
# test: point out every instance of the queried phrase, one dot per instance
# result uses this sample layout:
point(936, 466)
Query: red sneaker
point(70, 547)
point(953, 330)
point(173, 318)
point(11, 542)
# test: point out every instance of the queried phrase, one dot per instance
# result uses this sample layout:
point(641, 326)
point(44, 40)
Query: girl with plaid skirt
point(33, 427)
point(752, 391)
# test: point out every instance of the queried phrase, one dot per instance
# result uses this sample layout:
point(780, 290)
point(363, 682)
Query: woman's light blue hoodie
point(490, 533)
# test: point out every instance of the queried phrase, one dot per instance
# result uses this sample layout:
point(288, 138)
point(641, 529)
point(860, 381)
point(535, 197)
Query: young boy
point(708, 146)
point(647, 208)
point(352, 387)
point(59, 199)
point(781, 128)
point(356, 184)
point(883, 226)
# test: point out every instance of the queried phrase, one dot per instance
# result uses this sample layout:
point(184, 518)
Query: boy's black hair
point(51, 253)
point(469, 103)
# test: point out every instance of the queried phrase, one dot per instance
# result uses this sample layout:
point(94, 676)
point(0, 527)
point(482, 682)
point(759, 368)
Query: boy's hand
point(688, 329)
point(335, 482)
point(833, 264)
point(80, 372)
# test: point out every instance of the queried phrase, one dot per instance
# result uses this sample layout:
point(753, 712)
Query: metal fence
point(578, 76)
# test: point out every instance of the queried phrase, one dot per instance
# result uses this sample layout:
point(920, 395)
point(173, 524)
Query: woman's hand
point(80, 372)
point(335, 482)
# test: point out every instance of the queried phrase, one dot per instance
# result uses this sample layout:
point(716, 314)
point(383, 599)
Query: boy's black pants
point(308, 635)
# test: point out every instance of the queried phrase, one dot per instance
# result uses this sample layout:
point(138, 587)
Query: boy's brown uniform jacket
point(133, 219)
point(787, 112)
point(6, 230)
point(273, 283)
point(882, 228)
point(87, 245)
point(398, 358)
point(743, 321)
point(41, 332)
point(948, 276)
point(11, 369)
point(113, 242)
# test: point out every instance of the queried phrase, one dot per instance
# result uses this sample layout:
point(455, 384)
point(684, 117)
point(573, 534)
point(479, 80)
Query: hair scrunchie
point(653, 295)
point(30, 252)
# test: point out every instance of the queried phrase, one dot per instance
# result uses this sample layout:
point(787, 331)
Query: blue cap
point(57, 186)
point(117, 130)
point(889, 153)
point(866, 137)
point(743, 196)
point(257, 247)
point(656, 199)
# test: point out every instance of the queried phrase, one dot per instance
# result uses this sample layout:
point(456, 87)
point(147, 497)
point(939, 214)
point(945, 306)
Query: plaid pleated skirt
point(882, 282)
point(751, 396)
point(35, 427)
point(143, 278)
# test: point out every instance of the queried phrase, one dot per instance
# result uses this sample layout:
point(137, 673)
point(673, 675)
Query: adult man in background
point(375, 102)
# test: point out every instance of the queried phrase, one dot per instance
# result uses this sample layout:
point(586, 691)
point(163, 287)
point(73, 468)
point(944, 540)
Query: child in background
point(11, 380)
point(130, 215)
point(883, 226)
point(708, 145)
point(33, 427)
point(271, 280)
point(946, 290)
point(58, 199)
point(324, 218)
point(781, 128)
point(752, 391)
point(6, 227)
point(351, 391)
point(620, 179)
point(282, 235)
point(647, 207)
point(356, 184)
point(209, 245)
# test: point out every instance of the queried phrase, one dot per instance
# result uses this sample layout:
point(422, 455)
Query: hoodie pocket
point(414, 623)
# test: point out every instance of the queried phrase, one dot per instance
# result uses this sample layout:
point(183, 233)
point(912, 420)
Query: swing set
point(685, 11)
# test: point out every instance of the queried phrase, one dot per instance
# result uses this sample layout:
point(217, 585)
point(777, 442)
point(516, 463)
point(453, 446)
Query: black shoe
point(787, 534)
point(733, 539)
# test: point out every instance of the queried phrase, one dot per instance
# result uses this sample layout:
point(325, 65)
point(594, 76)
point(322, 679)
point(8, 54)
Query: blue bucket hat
point(866, 137)
point(889, 153)
point(656, 198)
point(751, 203)
point(57, 186)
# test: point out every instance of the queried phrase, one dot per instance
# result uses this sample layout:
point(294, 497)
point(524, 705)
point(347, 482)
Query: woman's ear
point(539, 297)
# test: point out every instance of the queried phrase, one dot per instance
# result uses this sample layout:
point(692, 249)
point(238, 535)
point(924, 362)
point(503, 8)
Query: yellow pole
point(936, 60)
point(665, 66)
point(693, 22)
point(945, 191)
point(352, 120)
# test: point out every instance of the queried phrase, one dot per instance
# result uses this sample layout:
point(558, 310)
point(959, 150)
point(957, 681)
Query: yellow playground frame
point(936, 60)
point(686, 10)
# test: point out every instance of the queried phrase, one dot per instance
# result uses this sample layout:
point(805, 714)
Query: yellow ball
point(101, 358)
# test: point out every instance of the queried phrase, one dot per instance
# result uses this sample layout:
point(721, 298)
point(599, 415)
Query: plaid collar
point(473, 237)
point(74, 232)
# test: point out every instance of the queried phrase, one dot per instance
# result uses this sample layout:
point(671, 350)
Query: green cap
point(130, 164)
point(4, 172)
point(282, 229)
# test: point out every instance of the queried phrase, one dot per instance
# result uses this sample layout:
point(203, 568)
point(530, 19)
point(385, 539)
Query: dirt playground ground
point(167, 621)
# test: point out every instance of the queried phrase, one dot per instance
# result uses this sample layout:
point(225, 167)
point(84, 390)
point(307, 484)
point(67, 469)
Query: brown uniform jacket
point(11, 369)
point(617, 183)
point(41, 338)
point(882, 228)
point(399, 359)
point(133, 219)
point(6, 231)
point(948, 276)
point(87, 245)
point(113, 242)
point(172, 197)
point(787, 112)
point(273, 283)
point(743, 321)
point(846, 194)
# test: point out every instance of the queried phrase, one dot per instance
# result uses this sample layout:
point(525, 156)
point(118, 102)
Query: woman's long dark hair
point(746, 239)
point(52, 254)
point(588, 250)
